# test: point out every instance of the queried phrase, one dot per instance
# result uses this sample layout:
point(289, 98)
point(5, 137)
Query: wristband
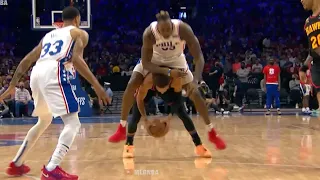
point(169, 72)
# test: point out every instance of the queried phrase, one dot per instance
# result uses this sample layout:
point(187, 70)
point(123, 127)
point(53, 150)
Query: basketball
point(158, 129)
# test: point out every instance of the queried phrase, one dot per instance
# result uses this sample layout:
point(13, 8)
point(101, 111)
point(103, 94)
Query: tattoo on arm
point(25, 64)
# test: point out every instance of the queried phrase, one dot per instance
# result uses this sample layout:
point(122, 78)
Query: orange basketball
point(158, 129)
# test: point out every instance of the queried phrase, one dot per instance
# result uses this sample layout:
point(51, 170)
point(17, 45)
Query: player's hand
point(11, 89)
point(145, 120)
point(166, 119)
point(102, 95)
point(176, 73)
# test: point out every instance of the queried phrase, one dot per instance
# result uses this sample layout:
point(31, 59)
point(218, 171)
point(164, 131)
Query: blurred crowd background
point(237, 36)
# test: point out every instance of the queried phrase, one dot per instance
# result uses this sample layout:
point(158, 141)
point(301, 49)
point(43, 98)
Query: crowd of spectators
point(239, 35)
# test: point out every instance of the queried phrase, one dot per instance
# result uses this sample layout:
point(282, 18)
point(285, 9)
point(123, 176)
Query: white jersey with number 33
point(50, 77)
point(168, 51)
point(56, 45)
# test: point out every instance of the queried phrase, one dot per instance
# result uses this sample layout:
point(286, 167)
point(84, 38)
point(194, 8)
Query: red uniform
point(272, 73)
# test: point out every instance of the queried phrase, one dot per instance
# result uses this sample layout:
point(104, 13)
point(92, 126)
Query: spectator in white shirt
point(23, 101)
point(257, 67)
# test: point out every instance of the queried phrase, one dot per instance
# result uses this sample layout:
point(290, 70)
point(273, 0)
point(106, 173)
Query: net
point(57, 25)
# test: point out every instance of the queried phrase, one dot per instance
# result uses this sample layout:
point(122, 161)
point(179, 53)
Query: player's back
point(51, 67)
point(57, 46)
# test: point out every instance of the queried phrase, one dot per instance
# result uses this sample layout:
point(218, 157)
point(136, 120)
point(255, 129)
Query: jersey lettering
point(52, 49)
point(271, 71)
point(167, 46)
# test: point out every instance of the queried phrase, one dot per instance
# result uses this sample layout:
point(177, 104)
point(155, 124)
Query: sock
point(307, 108)
point(57, 156)
point(123, 123)
point(209, 127)
point(30, 140)
point(195, 138)
point(303, 109)
point(130, 140)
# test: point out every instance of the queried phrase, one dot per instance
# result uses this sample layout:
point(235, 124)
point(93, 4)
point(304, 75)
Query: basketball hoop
point(57, 25)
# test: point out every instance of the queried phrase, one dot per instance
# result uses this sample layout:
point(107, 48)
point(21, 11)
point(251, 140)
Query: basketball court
point(258, 148)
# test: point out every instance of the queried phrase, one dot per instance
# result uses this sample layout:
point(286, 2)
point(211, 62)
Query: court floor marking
point(216, 162)
point(28, 176)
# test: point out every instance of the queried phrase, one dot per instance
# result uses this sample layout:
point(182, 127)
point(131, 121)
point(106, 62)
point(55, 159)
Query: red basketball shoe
point(13, 170)
point(214, 138)
point(119, 135)
point(56, 174)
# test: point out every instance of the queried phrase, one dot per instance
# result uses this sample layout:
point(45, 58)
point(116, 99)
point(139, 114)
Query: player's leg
point(41, 110)
point(194, 94)
point(128, 151)
point(62, 102)
point(269, 98)
point(71, 128)
point(305, 90)
point(315, 77)
point(276, 96)
point(178, 108)
point(127, 102)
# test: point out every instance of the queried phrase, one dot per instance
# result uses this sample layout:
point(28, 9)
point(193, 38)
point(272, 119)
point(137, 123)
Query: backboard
point(45, 13)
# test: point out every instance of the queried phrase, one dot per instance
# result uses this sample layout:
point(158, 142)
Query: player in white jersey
point(56, 54)
point(163, 46)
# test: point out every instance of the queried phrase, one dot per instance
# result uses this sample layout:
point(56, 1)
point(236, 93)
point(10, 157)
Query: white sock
point(303, 109)
point(59, 153)
point(69, 132)
point(209, 127)
point(30, 140)
point(123, 123)
point(307, 108)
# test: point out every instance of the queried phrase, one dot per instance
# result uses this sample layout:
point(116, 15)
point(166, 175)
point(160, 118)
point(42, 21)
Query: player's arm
point(147, 52)
point(141, 95)
point(308, 61)
point(187, 34)
point(81, 39)
point(25, 64)
point(279, 79)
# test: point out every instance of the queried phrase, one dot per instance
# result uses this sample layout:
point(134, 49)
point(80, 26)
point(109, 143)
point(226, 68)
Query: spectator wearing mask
point(215, 74)
point(23, 101)
point(272, 78)
point(294, 86)
point(243, 73)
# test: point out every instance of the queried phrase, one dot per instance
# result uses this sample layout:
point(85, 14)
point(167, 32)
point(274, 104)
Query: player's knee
point(135, 81)
point(72, 121)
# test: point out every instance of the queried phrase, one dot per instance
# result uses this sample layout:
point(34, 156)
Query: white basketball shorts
point(181, 64)
point(51, 90)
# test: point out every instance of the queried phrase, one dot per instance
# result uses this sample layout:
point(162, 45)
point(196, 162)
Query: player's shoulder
point(75, 32)
point(148, 32)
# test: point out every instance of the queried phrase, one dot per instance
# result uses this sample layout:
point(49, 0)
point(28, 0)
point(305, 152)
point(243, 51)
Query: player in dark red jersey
point(312, 29)
point(272, 78)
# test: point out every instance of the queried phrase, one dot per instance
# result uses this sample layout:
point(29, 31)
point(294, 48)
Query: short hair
point(162, 16)
point(69, 13)
point(161, 80)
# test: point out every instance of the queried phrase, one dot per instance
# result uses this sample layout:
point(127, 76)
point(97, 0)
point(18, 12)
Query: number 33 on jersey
point(57, 46)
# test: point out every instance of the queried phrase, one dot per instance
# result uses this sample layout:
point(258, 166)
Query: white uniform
point(49, 80)
point(168, 51)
